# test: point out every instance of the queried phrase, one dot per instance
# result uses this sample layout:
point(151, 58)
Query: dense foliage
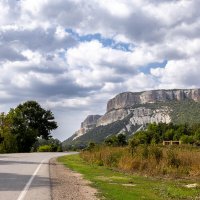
point(156, 133)
point(50, 145)
point(21, 127)
point(8, 141)
point(116, 140)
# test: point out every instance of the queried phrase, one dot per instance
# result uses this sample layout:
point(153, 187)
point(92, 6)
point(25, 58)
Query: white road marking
point(25, 190)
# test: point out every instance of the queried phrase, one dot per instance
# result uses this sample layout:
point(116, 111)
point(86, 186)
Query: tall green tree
point(8, 142)
point(30, 121)
point(116, 140)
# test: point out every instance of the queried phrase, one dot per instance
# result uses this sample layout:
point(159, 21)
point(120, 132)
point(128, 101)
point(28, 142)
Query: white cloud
point(179, 74)
point(70, 103)
point(40, 60)
point(170, 12)
point(21, 81)
point(116, 8)
point(140, 82)
point(33, 7)
point(35, 57)
point(60, 33)
point(4, 10)
point(91, 63)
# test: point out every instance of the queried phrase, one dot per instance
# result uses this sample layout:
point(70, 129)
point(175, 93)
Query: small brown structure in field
point(171, 142)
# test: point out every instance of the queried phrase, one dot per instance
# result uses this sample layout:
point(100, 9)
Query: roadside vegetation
point(151, 160)
point(142, 167)
point(22, 129)
point(144, 153)
point(116, 185)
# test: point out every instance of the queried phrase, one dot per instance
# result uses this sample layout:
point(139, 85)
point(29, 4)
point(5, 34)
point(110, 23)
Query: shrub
point(186, 139)
point(157, 153)
point(45, 148)
point(172, 158)
point(133, 143)
point(145, 152)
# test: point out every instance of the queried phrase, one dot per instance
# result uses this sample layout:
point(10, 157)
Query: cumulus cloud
point(40, 59)
point(179, 74)
point(8, 53)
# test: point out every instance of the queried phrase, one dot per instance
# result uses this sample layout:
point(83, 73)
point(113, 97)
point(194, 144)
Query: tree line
point(25, 127)
point(156, 134)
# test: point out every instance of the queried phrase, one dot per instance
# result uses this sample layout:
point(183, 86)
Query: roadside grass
point(114, 185)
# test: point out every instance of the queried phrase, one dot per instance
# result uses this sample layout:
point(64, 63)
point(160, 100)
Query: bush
point(186, 139)
point(91, 146)
point(116, 140)
point(45, 148)
point(145, 152)
point(173, 159)
point(133, 143)
point(157, 153)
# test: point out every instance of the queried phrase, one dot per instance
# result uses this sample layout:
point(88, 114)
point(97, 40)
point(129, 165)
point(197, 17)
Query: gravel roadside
point(68, 185)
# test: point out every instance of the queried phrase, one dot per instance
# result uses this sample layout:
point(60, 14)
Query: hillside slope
point(129, 112)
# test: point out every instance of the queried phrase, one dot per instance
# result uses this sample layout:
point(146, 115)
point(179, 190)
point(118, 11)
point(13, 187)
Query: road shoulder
point(66, 184)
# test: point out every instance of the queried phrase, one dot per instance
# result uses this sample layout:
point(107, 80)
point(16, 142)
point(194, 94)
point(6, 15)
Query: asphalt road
point(25, 176)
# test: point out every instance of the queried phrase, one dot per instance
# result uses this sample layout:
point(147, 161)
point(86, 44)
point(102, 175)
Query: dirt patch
point(194, 185)
point(66, 184)
point(128, 184)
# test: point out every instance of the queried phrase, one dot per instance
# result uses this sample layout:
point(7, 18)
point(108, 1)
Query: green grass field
point(113, 185)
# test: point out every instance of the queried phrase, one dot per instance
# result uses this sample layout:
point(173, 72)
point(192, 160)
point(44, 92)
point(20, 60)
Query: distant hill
point(129, 112)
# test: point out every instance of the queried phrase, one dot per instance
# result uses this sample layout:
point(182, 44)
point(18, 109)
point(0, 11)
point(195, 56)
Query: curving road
point(25, 176)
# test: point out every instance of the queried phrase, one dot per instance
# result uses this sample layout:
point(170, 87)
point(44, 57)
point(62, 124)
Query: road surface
point(25, 176)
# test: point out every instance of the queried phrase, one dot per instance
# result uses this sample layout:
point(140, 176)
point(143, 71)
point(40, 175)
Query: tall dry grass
point(181, 161)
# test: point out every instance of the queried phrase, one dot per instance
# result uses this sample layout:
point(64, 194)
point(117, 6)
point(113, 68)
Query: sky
point(72, 56)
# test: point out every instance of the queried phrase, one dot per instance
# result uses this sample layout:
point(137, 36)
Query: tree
point(186, 139)
point(91, 146)
point(111, 140)
point(119, 140)
point(7, 139)
point(30, 121)
point(169, 134)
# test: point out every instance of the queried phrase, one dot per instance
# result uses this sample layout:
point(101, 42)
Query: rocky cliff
point(140, 116)
point(87, 124)
point(128, 99)
point(123, 104)
point(128, 112)
point(90, 121)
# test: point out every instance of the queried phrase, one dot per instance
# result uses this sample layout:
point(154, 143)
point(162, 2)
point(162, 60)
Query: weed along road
point(25, 176)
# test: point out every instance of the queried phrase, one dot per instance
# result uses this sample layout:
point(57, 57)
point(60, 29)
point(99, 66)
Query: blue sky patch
point(107, 42)
point(146, 69)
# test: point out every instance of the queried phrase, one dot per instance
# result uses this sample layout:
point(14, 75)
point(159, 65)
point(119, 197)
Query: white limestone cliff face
point(145, 116)
point(112, 116)
point(87, 124)
point(140, 116)
point(128, 99)
point(78, 133)
point(90, 122)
